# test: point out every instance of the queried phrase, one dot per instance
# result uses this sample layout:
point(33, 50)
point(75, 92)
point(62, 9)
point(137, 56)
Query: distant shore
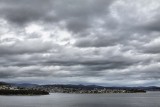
point(23, 92)
point(36, 89)
point(98, 91)
point(31, 92)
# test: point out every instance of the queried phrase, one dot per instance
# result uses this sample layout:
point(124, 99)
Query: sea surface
point(149, 99)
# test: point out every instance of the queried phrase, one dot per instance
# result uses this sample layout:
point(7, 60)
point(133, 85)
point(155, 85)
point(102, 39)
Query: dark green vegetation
point(23, 92)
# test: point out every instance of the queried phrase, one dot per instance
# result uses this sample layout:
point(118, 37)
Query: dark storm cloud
point(108, 42)
point(79, 15)
point(76, 14)
point(152, 26)
point(22, 11)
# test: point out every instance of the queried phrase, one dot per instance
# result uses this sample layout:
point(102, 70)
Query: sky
point(101, 42)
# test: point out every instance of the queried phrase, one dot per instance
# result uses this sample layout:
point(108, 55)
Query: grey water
point(149, 99)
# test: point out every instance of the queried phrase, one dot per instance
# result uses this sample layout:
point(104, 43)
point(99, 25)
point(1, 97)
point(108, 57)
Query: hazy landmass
point(10, 89)
point(35, 89)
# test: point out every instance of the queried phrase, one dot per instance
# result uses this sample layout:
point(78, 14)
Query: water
point(149, 99)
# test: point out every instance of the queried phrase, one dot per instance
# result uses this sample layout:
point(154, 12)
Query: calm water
point(150, 99)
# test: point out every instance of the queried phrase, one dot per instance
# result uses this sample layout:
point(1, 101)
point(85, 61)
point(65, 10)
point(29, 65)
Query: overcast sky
point(103, 42)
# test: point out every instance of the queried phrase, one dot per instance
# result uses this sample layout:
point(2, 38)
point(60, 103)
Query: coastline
point(23, 92)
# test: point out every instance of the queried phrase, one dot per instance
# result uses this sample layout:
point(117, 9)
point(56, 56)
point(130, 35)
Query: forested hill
point(4, 83)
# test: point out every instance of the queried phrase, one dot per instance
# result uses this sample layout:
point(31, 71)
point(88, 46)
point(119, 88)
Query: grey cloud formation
point(28, 46)
point(105, 42)
point(21, 11)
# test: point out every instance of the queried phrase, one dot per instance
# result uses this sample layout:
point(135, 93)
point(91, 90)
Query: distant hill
point(25, 85)
point(4, 83)
point(80, 86)
point(150, 88)
point(88, 87)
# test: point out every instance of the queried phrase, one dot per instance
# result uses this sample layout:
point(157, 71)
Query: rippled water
point(149, 99)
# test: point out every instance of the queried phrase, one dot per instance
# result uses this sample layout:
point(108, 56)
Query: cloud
point(105, 42)
point(27, 46)
point(21, 11)
point(153, 46)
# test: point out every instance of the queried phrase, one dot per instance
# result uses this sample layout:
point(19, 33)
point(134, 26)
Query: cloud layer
point(104, 42)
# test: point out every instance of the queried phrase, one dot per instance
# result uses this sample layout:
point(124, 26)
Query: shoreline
point(23, 92)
